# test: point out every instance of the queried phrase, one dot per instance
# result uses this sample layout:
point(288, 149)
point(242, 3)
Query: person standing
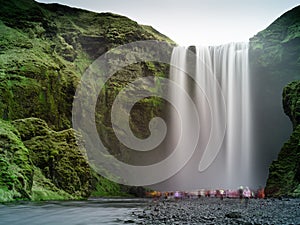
point(240, 191)
point(246, 195)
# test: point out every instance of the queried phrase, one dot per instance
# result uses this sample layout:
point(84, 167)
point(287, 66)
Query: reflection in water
point(93, 211)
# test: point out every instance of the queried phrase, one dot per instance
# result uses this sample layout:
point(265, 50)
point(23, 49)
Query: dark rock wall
point(274, 62)
point(284, 173)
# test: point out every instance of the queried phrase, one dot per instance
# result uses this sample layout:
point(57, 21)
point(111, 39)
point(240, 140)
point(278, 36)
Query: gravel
point(215, 211)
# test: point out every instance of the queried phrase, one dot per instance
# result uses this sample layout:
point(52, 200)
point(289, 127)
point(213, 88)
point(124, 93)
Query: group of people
point(241, 192)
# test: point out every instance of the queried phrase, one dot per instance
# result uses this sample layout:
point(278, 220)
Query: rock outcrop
point(284, 173)
point(44, 50)
point(38, 163)
point(275, 62)
point(277, 48)
point(59, 155)
point(16, 168)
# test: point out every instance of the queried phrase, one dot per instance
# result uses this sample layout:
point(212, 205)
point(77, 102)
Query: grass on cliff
point(44, 50)
point(15, 165)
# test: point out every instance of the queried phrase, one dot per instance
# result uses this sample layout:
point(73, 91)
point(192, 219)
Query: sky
point(195, 22)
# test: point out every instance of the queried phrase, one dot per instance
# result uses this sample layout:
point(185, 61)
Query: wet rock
point(129, 221)
point(234, 215)
point(231, 211)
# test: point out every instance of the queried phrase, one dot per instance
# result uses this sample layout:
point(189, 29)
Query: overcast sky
point(195, 22)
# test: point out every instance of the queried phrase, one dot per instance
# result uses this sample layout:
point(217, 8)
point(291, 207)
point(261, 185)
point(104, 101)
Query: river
point(91, 212)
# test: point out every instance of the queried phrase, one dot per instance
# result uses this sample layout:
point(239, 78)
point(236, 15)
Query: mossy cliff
point(278, 46)
point(44, 50)
point(38, 163)
point(274, 56)
point(284, 174)
point(17, 170)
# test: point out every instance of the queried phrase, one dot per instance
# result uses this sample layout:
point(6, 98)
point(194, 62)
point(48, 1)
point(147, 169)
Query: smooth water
point(229, 64)
point(217, 79)
point(93, 211)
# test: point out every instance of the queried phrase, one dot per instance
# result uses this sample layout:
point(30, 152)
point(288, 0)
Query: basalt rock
point(284, 174)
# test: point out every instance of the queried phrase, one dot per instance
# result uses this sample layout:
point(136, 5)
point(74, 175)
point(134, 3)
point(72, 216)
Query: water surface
point(91, 212)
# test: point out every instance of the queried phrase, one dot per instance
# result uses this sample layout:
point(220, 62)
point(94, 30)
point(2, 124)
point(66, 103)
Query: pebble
point(217, 211)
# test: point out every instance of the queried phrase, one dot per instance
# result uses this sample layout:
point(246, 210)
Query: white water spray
point(213, 69)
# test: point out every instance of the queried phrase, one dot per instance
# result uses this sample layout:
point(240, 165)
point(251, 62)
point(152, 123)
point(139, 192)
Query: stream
point(91, 212)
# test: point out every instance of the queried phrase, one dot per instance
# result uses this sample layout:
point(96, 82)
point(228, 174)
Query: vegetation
point(277, 47)
point(16, 174)
point(38, 163)
point(284, 176)
point(44, 50)
point(275, 62)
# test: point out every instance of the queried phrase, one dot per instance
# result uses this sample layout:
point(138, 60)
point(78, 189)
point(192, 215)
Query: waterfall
point(217, 79)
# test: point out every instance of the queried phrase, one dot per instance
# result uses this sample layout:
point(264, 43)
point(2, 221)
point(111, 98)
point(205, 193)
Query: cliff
point(44, 50)
point(284, 173)
point(38, 163)
point(275, 63)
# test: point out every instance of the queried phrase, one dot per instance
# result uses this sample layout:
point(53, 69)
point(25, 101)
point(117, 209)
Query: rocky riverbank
point(216, 211)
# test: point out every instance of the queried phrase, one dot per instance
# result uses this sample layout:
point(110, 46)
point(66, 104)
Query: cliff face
point(38, 163)
point(275, 62)
point(278, 46)
point(44, 50)
point(284, 173)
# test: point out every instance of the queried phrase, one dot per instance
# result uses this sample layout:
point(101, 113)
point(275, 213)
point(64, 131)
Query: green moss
point(16, 173)
point(44, 50)
point(34, 83)
point(291, 96)
point(296, 192)
point(8, 195)
point(43, 189)
point(277, 47)
point(59, 155)
point(102, 187)
point(41, 164)
point(48, 49)
point(158, 35)
point(284, 173)
point(274, 55)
